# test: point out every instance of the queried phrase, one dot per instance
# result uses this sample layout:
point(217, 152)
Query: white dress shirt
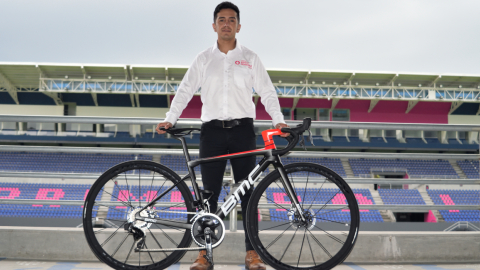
point(226, 82)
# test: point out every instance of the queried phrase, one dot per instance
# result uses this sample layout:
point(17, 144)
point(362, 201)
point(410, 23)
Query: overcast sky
point(436, 36)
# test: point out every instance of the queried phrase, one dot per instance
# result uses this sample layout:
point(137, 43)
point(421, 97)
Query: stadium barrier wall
point(69, 244)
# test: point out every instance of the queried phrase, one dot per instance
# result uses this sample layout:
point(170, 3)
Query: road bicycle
point(142, 215)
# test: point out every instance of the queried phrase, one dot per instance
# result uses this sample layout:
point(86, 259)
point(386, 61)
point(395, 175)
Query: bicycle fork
point(287, 185)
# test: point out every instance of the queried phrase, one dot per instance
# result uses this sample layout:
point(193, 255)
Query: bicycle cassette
point(211, 221)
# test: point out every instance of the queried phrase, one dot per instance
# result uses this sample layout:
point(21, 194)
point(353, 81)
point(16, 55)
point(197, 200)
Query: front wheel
point(326, 234)
point(109, 222)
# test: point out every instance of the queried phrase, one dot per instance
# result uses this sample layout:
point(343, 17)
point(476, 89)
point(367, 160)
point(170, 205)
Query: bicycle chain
point(170, 249)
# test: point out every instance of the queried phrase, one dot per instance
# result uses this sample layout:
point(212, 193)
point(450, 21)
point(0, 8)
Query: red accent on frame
point(268, 137)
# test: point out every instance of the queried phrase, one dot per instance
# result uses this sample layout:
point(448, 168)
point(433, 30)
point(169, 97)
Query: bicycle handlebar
point(294, 136)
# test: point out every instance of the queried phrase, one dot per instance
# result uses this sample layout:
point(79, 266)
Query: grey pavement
point(6, 264)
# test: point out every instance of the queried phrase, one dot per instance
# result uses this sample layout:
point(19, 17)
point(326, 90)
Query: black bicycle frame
point(236, 195)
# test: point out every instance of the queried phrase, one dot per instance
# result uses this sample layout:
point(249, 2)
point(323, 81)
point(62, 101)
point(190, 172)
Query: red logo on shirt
point(244, 63)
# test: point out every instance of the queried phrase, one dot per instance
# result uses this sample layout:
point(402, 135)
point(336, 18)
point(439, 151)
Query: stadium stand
point(333, 163)
point(470, 168)
point(401, 196)
point(454, 197)
point(413, 167)
point(54, 192)
point(62, 162)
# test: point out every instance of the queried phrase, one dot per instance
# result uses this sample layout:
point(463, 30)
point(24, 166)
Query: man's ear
point(238, 28)
point(214, 28)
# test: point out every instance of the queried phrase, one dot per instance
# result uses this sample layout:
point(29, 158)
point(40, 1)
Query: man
point(226, 73)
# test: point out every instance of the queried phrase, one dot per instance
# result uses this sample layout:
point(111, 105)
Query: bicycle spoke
point(301, 247)
point(330, 235)
point(318, 191)
point(343, 223)
point(130, 252)
point(111, 236)
point(283, 224)
point(145, 245)
point(305, 192)
point(289, 243)
point(320, 244)
point(158, 243)
point(325, 205)
point(276, 239)
point(128, 190)
point(120, 245)
point(150, 189)
point(311, 251)
point(276, 203)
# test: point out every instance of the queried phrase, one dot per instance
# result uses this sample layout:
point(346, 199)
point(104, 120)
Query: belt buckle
point(223, 124)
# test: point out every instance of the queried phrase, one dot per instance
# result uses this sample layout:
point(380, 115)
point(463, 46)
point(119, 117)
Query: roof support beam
point(295, 102)
point(410, 106)
point(166, 74)
point(434, 81)
point(137, 99)
point(11, 89)
point(132, 100)
point(127, 75)
point(392, 80)
point(94, 97)
point(132, 74)
point(478, 112)
point(334, 103)
point(373, 103)
point(455, 106)
point(55, 97)
point(307, 77)
point(84, 72)
point(349, 81)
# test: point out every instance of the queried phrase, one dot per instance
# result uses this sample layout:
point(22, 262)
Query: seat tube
point(288, 185)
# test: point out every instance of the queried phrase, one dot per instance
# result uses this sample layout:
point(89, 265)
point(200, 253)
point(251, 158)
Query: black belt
point(229, 123)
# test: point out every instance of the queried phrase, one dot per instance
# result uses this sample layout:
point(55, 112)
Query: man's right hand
point(165, 125)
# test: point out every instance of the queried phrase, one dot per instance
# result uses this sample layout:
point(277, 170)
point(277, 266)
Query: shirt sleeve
point(264, 87)
point(189, 85)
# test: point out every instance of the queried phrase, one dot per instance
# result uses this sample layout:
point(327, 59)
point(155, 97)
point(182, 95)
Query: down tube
point(232, 200)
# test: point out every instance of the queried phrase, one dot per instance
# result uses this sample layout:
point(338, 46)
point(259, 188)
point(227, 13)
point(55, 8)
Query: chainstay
point(169, 249)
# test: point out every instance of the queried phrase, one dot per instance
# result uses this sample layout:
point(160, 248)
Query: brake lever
point(310, 137)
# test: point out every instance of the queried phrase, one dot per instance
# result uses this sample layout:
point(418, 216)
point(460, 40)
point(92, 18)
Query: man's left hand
point(280, 126)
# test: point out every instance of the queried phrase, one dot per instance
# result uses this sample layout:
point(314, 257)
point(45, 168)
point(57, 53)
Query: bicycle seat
point(180, 132)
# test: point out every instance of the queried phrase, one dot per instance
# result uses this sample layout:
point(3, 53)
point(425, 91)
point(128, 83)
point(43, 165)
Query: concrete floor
point(6, 264)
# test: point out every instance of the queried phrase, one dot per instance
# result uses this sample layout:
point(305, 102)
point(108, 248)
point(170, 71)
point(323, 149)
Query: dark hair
point(225, 5)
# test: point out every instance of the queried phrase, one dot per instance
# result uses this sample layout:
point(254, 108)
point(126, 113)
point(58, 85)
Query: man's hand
point(165, 125)
point(280, 126)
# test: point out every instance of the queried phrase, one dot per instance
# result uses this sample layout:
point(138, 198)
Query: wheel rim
point(111, 229)
point(328, 231)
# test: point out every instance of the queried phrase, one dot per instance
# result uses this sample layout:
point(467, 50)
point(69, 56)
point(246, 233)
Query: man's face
point(226, 25)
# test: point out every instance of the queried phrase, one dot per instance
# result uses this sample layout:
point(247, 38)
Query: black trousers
point(215, 141)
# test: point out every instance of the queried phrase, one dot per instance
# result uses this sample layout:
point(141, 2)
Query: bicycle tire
point(131, 185)
point(324, 230)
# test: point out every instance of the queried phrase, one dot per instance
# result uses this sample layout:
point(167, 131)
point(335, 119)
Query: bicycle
point(156, 217)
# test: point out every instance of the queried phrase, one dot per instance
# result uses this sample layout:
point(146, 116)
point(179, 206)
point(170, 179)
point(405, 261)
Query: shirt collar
point(237, 46)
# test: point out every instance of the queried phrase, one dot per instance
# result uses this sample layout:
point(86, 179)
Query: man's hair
point(225, 5)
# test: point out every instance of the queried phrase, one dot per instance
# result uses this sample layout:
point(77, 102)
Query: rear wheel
point(326, 235)
point(109, 216)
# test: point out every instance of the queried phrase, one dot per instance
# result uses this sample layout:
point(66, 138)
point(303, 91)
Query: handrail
point(261, 205)
point(164, 151)
point(258, 123)
point(227, 179)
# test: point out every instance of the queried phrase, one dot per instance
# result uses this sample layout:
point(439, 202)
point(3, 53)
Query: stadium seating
point(62, 162)
point(471, 168)
point(334, 164)
point(401, 196)
point(454, 197)
point(414, 168)
point(278, 196)
point(52, 192)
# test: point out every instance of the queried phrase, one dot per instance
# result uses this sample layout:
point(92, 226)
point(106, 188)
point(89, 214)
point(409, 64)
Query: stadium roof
point(27, 75)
